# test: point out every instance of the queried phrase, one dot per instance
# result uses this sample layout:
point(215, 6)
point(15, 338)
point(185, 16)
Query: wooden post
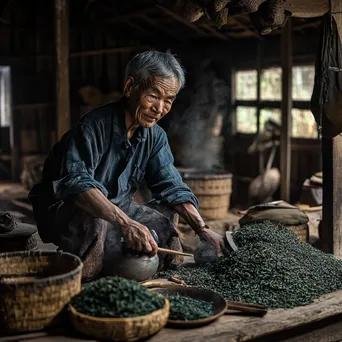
point(15, 128)
point(331, 235)
point(286, 109)
point(62, 67)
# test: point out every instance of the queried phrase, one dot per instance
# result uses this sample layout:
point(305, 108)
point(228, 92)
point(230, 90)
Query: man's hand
point(139, 238)
point(213, 238)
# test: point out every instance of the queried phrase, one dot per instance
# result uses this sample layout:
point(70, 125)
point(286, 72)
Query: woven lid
point(284, 214)
point(9, 228)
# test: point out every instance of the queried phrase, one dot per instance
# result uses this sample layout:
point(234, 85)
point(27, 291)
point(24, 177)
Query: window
point(302, 82)
point(252, 113)
point(5, 96)
point(246, 85)
point(269, 113)
point(246, 119)
point(270, 84)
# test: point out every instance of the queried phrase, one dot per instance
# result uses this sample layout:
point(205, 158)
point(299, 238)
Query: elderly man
point(84, 200)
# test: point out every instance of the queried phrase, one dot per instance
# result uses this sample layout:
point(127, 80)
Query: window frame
point(264, 104)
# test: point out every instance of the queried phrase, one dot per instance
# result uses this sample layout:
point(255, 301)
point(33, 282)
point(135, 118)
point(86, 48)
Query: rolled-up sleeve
point(163, 178)
point(81, 156)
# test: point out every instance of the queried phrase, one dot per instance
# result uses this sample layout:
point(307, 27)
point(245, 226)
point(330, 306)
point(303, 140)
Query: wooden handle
point(171, 251)
point(255, 309)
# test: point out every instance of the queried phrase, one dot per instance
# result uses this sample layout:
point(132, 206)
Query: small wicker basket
point(35, 286)
point(120, 329)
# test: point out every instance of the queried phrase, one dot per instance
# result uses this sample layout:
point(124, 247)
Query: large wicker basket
point(212, 190)
point(120, 329)
point(301, 230)
point(35, 287)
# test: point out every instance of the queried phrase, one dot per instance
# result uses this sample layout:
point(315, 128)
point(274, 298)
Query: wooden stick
point(170, 251)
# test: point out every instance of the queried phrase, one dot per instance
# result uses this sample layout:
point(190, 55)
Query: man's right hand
point(139, 238)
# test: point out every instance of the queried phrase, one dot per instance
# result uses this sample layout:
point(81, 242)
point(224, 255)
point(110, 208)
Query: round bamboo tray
point(120, 329)
point(35, 286)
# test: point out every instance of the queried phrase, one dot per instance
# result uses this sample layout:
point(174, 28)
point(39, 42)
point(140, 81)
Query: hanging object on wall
point(188, 9)
point(270, 16)
point(219, 18)
point(244, 6)
point(266, 15)
point(326, 100)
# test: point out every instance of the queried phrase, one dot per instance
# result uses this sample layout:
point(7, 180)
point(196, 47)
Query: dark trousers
point(97, 242)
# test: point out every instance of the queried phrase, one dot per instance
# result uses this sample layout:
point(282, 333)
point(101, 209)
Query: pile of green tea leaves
point(184, 308)
point(117, 298)
point(271, 267)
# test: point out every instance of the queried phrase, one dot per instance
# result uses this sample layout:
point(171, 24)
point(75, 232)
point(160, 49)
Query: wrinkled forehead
point(164, 86)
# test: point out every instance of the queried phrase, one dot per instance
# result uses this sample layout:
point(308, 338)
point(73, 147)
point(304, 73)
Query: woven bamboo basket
point(302, 231)
point(212, 191)
point(35, 287)
point(120, 329)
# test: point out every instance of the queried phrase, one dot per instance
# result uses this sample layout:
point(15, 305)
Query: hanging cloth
point(326, 100)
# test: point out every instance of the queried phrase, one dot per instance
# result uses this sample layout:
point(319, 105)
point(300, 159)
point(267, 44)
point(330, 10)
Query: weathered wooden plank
point(328, 330)
point(239, 328)
point(319, 321)
point(307, 8)
point(332, 185)
point(286, 108)
point(62, 67)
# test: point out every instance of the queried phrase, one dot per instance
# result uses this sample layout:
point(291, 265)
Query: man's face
point(154, 103)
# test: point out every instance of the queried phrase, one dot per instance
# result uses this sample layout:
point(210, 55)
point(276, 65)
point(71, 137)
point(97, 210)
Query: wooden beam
point(332, 169)
point(246, 28)
point(216, 33)
point(62, 67)
point(123, 17)
point(33, 106)
point(307, 8)
point(182, 20)
point(107, 51)
point(162, 28)
point(258, 65)
point(286, 108)
point(139, 28)
point(15, 129)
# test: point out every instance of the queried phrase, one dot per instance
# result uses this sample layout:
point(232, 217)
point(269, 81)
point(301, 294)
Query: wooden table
point(320, 321)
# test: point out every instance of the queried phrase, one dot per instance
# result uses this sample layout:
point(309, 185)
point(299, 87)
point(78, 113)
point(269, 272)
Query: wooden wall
point(98, 59)
point(27, 46)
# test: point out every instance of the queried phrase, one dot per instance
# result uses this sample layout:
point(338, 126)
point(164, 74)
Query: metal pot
point(132, 265)
point(126, 263)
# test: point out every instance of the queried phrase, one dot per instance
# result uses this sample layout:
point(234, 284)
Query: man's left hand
point(213, 238)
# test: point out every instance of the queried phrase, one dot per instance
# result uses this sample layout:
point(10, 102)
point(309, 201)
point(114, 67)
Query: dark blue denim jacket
point(96, 153)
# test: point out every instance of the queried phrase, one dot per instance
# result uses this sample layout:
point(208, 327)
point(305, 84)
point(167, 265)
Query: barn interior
point(237, 72)
point(243, 124)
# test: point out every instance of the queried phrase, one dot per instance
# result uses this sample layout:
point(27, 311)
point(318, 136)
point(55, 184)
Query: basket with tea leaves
point(115, 308)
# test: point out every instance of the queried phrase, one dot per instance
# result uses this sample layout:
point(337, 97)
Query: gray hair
point(146, 65)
